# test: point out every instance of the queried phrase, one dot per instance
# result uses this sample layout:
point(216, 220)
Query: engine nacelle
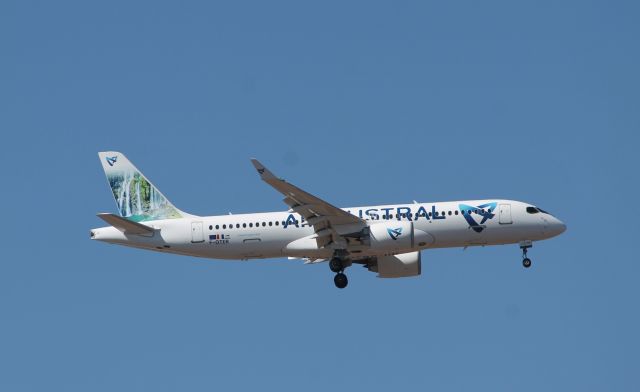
point(398, 266)
point(397, 236)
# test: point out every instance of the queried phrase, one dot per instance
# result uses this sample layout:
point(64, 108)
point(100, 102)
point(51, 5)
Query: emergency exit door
point(505, 214)
point(196, 232)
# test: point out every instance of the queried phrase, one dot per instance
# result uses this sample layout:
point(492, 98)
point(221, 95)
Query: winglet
point(265, 174)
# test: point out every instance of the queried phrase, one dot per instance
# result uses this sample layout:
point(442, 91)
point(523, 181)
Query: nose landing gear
point(524, 245)
point(337, 265)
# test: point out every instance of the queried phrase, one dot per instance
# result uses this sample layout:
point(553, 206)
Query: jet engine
point(395, 236)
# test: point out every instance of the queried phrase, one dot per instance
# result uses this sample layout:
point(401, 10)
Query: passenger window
point(217, 227)
point(263, 224)
point(277, 223)
point(224, 226)
point(270, 223)
point(250, 224)
point(244, 225)
point(456, 212)
point(210, 227)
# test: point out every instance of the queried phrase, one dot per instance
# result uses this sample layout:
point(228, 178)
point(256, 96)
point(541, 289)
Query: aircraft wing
point(330, 223)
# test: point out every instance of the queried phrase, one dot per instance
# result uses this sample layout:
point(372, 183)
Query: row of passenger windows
point(245, 225)
point(385, 217)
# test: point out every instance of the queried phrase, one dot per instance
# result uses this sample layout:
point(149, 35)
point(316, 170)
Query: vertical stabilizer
point(136, 197)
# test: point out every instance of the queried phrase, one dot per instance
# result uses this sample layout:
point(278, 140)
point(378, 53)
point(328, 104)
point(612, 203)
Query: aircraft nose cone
point(558, 227)
point(563, 227)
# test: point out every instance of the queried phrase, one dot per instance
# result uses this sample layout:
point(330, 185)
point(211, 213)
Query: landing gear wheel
point(524, 245)
point(341, 280)
point(335, 265)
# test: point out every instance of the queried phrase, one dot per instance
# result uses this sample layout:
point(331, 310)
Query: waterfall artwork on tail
point(137, 198)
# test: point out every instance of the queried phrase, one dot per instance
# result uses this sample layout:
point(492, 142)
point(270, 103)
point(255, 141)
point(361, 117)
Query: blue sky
point(360, 103)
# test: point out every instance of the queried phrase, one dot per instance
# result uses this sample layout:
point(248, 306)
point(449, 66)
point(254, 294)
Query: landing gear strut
point(526, 262)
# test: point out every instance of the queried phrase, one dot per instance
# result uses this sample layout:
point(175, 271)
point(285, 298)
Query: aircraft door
point(505, 214)
point(197, 234)
point(251, 248)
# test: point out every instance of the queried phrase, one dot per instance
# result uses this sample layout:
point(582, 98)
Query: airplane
point(385, 239)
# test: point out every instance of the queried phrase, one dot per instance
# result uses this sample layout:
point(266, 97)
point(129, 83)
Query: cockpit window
point(535, 210)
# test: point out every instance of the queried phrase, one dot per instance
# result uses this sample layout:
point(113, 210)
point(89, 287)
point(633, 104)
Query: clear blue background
point(359, 103)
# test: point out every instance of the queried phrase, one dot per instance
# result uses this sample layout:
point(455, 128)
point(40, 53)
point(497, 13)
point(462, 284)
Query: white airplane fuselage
point(387, 239)
point(276, 234)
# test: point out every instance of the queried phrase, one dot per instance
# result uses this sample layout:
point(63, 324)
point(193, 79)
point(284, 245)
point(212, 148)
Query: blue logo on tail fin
point(111, 160)
point(395, 233)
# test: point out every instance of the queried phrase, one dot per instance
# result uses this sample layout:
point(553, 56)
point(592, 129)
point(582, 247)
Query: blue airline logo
point(484, 210)
point(395, 233)
point(112, 160)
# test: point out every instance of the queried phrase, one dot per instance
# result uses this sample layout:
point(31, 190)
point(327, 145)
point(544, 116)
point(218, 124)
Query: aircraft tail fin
point(136, 197)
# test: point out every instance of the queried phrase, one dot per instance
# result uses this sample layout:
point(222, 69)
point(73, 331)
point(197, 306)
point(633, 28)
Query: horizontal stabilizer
point(125, 225)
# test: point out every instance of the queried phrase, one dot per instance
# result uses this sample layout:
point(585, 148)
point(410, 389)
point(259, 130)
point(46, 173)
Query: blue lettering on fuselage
point(400, 213)
point(435, 213)
point(404, 210)
point(484, 210)
point(386, 214)
point(372, 213)
point(291, 220)
point(421, 212)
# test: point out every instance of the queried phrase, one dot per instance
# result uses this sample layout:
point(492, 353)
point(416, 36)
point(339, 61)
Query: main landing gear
point(340, 280)
point(337, 265)
point(524, 245)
